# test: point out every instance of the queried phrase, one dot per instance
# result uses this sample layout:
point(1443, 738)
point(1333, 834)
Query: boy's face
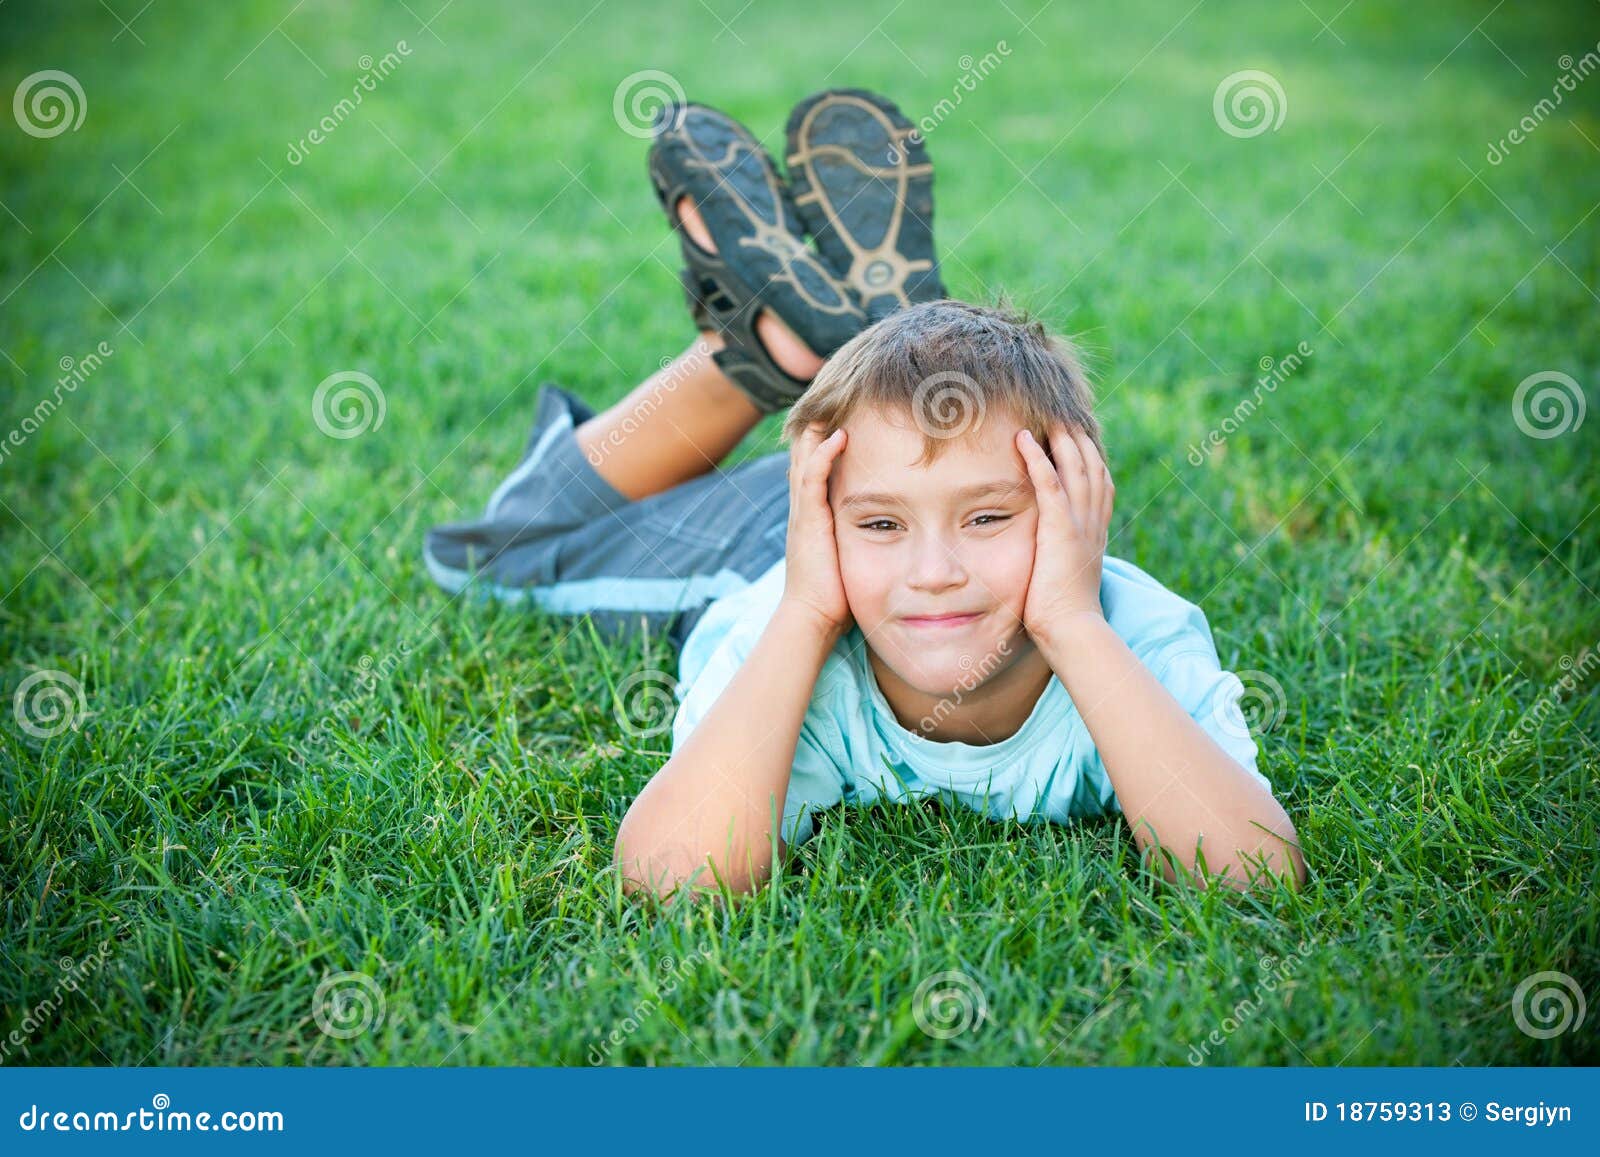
point(952, 538)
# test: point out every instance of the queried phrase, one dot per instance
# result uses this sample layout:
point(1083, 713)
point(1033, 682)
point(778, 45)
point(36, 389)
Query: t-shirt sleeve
point(815, 781)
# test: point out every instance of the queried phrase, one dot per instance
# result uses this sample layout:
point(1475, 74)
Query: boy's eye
point(887, 524)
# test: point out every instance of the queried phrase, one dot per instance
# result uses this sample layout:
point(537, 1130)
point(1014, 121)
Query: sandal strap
point(744, 357)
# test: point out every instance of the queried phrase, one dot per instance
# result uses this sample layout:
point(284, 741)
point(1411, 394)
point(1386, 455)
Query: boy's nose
point(935, 565)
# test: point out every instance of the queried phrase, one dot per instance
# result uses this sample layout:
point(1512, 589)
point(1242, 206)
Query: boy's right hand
point(812, 582)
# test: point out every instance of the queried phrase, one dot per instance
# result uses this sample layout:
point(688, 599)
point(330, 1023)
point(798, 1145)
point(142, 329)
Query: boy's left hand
point(1074, 496)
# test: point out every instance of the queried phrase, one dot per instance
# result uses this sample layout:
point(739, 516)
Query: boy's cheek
point(861, 584)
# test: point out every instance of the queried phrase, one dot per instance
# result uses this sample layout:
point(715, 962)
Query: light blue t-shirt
point(852, 748)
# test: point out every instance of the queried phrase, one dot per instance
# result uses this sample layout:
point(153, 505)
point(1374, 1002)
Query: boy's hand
point(811, 579)
point(1074, 498)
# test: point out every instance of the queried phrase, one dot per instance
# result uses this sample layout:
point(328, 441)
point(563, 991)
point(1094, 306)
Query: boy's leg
point(682, 421)
point(557, 535)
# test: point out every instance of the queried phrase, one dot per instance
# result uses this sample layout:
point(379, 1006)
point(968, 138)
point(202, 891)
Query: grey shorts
point(557, 535)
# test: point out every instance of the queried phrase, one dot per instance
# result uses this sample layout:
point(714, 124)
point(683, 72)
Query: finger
point(1109, 501)
point(1074, 475)
point(1105, 489)
point(1095, 471)
point(800, 451)
point(819, 466)
point(1048, 494)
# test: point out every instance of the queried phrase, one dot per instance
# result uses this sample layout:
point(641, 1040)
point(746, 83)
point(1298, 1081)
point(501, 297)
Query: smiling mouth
point(940, 622)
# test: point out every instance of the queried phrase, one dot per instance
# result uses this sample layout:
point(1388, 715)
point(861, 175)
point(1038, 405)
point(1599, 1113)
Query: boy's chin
point(956, 668)
point(943, 676)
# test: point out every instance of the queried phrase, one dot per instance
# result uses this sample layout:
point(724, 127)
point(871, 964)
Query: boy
point(941, 617)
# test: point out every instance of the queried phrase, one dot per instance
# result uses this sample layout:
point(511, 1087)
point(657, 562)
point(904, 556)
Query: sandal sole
point(863, 184)
point(761, 259)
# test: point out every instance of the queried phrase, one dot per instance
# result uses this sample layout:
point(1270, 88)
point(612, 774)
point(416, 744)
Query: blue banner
point(695, 1110)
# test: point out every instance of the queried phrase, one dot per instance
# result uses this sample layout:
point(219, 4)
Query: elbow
point(649, 872)
point(659, 870)
point(1263, 871)
point(1259, 869)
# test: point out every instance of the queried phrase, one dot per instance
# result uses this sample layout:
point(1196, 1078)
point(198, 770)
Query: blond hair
point(947, 363)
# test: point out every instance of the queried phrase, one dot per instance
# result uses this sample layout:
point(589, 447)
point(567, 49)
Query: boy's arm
point(717, 799)
point(715, 802)
point(1174, 782)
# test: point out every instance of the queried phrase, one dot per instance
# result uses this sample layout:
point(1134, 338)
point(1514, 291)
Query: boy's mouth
point(940, 622)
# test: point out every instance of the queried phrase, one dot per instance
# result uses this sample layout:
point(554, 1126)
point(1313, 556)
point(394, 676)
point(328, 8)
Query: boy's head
point(933, 510)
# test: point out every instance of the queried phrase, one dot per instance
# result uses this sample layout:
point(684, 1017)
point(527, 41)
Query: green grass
point(182, 540)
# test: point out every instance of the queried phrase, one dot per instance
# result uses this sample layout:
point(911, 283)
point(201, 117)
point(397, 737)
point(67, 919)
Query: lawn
point(272, 798)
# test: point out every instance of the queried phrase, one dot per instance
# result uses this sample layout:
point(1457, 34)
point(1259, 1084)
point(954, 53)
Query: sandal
point(761, 259)
point(862, 183)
